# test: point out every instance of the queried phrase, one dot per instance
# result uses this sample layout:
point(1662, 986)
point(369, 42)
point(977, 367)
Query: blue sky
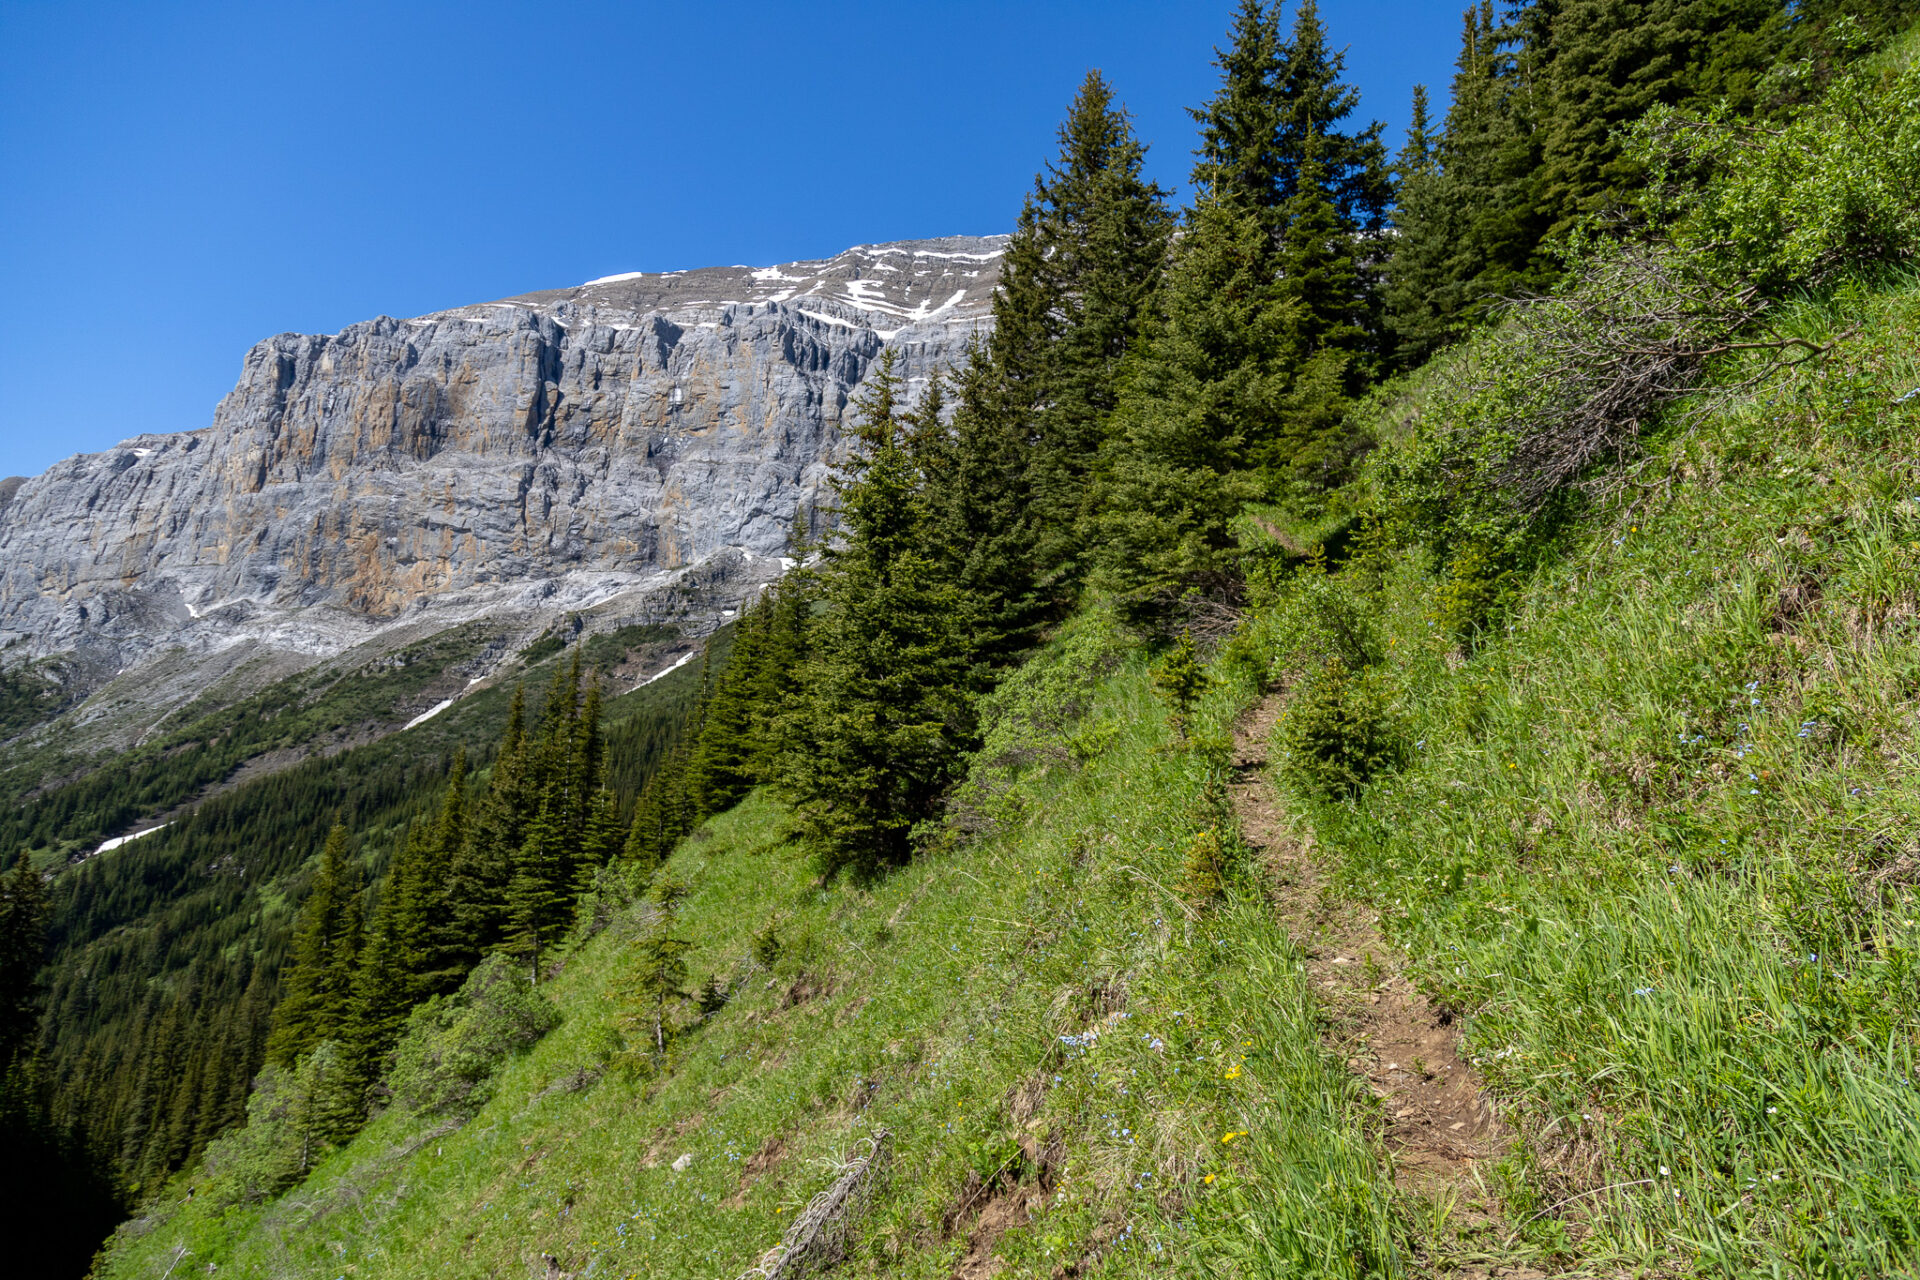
point(179, 180)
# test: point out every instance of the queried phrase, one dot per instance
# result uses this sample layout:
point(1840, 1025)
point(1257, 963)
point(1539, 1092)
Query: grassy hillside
point(1645, 829)
point(165, 952)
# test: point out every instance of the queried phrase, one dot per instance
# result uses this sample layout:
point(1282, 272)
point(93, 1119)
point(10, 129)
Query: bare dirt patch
point(1439, 1123)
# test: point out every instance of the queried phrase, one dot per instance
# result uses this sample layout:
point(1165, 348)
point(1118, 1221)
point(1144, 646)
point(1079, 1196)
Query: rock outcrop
point(547, 452)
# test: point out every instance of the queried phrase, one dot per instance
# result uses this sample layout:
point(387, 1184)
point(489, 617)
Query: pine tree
point(539, 898)
point(23, 944)
point(884, 712)
point(387, 981)
point(977, 503)
point(719, 768)
point(318, 983)
point(1427, 230)
point(1612, 60)
point(1207, 394)
point(1075, 282)
point(1313, 447)
point(662, 971)
point(1314, 102)
point(482, 866)
point(1470, 225)
point(1239, 161)
point(445, 954)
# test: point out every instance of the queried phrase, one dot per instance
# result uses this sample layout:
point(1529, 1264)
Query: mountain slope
point(1695, 712)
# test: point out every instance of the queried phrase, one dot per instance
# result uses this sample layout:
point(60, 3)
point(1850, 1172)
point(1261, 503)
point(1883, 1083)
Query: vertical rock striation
point(549, 452)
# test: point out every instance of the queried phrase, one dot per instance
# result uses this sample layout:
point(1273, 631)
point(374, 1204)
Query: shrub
point(453, 1047)
point(1339, 731)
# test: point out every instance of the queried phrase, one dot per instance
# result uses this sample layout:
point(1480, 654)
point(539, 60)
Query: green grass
point(1052, 960)
point(1654, 839)
point(1657, 839)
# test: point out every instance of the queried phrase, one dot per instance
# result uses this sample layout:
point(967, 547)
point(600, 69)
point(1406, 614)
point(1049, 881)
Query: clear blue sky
point(181, 179)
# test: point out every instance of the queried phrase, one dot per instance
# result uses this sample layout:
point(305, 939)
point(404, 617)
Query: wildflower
point(1209, 1179)
point(1233, 1072)
point(1229, 1137)
point(1663, 1171)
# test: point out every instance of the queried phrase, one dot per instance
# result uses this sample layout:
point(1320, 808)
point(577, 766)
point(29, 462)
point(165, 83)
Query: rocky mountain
point(631, 448)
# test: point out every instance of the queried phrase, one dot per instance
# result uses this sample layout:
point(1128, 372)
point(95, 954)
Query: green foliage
point(1091, 242)
point(925, 1003)
point(1213, 373)
point(1339, 731)
point(454, 1046)
point(1181, 681)
point(1629, 845)
point(1833, 190)
point(884, 709)
point(23, 945)
point(318, 984)
point(30, 694)
point(660, 973)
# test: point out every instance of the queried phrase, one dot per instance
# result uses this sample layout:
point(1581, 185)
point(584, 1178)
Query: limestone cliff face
point(549, 451)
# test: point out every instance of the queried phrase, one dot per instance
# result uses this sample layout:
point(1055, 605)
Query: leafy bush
point(1836, 189)
point(294, 1115)
point(452, 1048)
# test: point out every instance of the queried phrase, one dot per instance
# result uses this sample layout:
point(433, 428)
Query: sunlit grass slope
point(1045, 996)
point(1658, 836)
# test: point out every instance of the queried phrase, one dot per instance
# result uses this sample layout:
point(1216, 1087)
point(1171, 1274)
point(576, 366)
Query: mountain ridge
point(576, 451)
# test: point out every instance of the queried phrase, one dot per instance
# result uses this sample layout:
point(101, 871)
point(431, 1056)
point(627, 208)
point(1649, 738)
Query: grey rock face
point(547, 453)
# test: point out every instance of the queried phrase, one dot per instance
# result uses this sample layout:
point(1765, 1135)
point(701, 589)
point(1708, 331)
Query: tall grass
point(1657, 835)
point(1045, 993)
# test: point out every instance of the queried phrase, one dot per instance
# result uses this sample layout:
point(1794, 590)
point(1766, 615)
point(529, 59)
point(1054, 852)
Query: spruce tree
point(539, 896)
point(23, 944)
point(483, 865)
point(1311, 449)
point(1207, 394)
point(977, 504)
point(719, 766)
point(317, 986)
point(884, 713)
point(661, 976)
point(1238, 163)
point(1075, 282)
point(445, 953)
point(1314, 102)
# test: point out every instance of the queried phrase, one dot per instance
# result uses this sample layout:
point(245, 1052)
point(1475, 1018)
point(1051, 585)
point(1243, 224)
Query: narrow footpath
point(1439, 1126)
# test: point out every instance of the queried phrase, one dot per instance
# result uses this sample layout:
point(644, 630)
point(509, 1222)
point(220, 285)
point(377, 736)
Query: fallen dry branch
point(820, 1235)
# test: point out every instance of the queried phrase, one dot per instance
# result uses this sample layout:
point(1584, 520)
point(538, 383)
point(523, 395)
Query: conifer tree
point(662, 972)
point(1312, 447)
point(387, 982)
point(1314, 103)
point(539, 898)
point(23, 943)
point(1421, 310)
point(317, 986)
point(1239, 164)
point(1208, 392)
point(444, 958)
point(483, 865)
point(977, 503)
point(1076, 279)
point(1612, 60)
point(884, 711)
point(719, 769)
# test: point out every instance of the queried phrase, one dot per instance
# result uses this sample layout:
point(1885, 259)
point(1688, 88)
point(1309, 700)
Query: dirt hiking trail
point(1439, 1125)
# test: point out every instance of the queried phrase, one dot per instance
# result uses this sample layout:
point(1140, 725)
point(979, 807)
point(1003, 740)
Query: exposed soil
point(1439, 1124)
